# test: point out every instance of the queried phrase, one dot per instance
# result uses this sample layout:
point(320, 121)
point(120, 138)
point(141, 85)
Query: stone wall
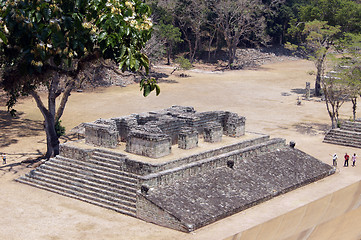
point(234, 125)
point(150, 212)
point(101, 133)
point(125, 125)
point(188, 138)
point(170, 121)
point(193, 168)
point(72, 152)
point(143, 168)
point(213, 132)
point(153, 145)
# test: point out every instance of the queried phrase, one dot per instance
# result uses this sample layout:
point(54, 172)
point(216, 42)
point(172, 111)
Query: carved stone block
point(213, 132)
point(188, 138)
point(153, 145)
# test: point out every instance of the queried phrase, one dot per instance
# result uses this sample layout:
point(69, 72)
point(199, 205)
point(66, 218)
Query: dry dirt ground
point(267, 96)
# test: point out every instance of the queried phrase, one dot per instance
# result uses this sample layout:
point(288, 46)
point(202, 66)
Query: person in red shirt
point(347, 157)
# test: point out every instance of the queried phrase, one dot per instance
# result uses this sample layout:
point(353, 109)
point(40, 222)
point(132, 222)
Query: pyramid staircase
point(97, 180)
point(114, 181)
point(100, 179)
point(349, 134)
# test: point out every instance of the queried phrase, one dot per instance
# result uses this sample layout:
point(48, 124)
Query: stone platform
point(187, 188)
point(349, 134)
point(204, 198)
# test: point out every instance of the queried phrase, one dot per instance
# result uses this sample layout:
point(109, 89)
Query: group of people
point(347, 158)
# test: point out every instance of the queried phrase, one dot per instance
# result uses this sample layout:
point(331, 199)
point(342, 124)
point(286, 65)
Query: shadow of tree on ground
point(13, 128)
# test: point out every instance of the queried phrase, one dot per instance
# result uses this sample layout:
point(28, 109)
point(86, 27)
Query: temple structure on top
point(152, 134)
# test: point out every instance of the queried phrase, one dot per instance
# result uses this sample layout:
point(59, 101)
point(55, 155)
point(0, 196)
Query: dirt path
point(267, 97)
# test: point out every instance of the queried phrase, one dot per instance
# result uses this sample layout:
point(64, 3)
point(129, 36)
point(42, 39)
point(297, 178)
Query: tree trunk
point(169, 51)
point(51, 137)
point(231, 55)
point(318, 84)
point(354, 106)
point(49, 125)
point(51, 115)
point(211, 38)
point(330, 109)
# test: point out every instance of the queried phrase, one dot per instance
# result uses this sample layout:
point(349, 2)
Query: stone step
point(95, 177)
point(342, 137)
point(108, 158)
point(105, 162)
point(80, 196)
point(73, 167)
point(345, 133)
point(114, 155)
point(89, 182)
point(79, 188)
point(351, 126)
point(89, 166)
point(341, 140)
point(347, 144)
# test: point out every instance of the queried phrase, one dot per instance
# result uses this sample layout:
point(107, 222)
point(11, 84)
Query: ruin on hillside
point(176, 167)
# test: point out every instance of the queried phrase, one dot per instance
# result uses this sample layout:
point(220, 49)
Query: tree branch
point(64, 99)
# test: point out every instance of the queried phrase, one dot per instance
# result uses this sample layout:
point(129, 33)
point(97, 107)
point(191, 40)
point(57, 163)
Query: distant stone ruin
point(348, 134)
point(177, 167)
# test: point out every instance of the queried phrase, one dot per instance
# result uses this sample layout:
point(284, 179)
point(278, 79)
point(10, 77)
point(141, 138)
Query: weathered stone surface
point(70, 151)
point(234, 125)
point(349, 134)
point(213, 132)
point(169, 121)
point(188, 138)
point(183, 193)
point(153, 145)
point(210, 196)
point(102, 133)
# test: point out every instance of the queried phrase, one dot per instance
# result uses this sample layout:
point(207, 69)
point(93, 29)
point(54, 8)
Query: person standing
point(334, 160)
point(347, 157)
point(4, 158)
point(354, 160)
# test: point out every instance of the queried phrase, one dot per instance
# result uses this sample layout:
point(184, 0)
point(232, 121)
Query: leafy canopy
point(45, 35)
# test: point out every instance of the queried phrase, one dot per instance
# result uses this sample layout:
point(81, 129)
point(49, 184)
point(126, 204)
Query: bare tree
point(338, 89)
point(191, 16)
point(239, 20)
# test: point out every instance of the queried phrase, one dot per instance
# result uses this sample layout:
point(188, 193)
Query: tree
point(239, 20)
point(278, 15)
point(165, 32)
point(337, 90)
point(320, 38)
point(343, 83)
point(343, 13)
point(171, 35)
point(50, 42)
point(191, 16)
point(350, 60)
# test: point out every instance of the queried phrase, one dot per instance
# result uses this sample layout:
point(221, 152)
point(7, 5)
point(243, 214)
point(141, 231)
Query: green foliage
point(60, 130)
point(183, 63)
point(56, 35)
point(169, 32)
point(344, 13)
point(148, 85)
